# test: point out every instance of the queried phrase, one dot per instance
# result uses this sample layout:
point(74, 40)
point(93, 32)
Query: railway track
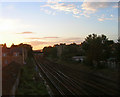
point(58, 84)
point(70, 85)
point(98, 87)
point(102, 83)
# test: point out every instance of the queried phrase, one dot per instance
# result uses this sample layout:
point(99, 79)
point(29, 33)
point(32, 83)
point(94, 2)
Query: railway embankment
point(30, 81)
point(10, 78)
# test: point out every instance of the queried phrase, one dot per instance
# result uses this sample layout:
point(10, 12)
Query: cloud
point(73, 39)
point(69, 40)
point(59, 0)
point(116, 5)
point(46, 11)
point(92, 7)
point(41, 44)
point(103, 18)
point(101, 0)
point(42, 38)
point(76, 16)
point(26, 33)
point(66, 40)
point(84, 9)
point(33, 38)
point(51, 37)
point(37, 43)
point(67, 8)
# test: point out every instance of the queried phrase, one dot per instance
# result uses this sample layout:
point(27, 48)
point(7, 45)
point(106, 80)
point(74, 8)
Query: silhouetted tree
point(50, 51)
point(119, 39)
point(96, 48)
point(70, 51)
point(116, 51)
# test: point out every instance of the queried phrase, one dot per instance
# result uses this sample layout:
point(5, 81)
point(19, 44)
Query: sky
point(47, 23)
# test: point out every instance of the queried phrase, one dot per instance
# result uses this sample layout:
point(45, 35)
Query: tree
point(50, 52)
point(116, 48)
point(119, 39)
point(95, 47)
point(69, 51)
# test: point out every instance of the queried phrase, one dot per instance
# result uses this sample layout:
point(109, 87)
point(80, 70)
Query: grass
point(30, 82)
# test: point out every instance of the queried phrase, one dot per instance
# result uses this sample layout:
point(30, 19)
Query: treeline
point(95, 48)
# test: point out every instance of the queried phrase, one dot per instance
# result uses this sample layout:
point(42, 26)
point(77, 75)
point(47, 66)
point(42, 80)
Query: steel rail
point(95, 84)
point(58, 89)
point(92, 84)
point(60, 81)
point(68, 80)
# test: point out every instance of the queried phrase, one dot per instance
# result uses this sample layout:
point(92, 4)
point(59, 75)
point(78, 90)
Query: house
point(16, 53)
point(12, 60)
point(11, 54)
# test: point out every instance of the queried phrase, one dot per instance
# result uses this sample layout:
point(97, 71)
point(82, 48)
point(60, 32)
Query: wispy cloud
point(116, 6)
point(103, 18)
point(51, 37)
point(33, 38)
point(42, 38)
point(85, 9)
point(26, 33)
point(92, 7)
point(48, 11)
point(37, 43)
point(72, 39)
point(67, 8)
point(66, 40)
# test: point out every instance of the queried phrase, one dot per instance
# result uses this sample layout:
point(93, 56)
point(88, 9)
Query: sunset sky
point(47, 23)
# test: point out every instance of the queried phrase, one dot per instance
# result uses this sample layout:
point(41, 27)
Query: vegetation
point(30, 82)
point(95, 48)
point(50, 51)
point(71, 50)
